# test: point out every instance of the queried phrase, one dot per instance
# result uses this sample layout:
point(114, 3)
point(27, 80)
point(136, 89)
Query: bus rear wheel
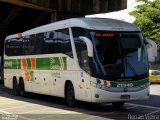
point(15, 87)
point(21, 88)
point(70, 95)
point(118, 104)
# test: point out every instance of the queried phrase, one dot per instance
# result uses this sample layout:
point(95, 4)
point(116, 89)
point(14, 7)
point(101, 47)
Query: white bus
point(87, 59)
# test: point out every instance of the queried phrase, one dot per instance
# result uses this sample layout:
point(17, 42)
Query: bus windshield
point(119, 55)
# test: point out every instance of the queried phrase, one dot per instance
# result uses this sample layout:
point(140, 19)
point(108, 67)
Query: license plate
point(125, 97)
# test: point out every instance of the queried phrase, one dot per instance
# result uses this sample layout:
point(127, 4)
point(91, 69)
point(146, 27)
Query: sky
point(122, 15)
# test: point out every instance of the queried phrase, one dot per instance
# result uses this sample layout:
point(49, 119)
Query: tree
point(148, 18)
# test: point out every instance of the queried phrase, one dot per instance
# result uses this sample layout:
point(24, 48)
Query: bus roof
point(88, 23)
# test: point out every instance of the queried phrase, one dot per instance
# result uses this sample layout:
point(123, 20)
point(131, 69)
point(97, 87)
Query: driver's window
point(82, 55)
point(81, 48)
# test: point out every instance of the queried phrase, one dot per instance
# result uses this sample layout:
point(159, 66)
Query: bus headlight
point(104, 86)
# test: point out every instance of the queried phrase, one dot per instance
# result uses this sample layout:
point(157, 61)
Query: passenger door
point(83, 74)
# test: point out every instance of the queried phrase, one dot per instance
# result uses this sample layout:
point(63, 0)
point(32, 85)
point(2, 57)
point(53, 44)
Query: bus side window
point(13, 47)
point(49, 41)
point(26, 45)
point(8, 49)
point(38, 45)
point(58, 41)
point(64, 42)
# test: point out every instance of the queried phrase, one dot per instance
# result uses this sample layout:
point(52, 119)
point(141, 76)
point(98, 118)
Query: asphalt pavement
point(41, 107)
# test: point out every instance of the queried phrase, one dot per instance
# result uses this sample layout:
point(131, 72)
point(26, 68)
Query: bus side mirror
point(151, 49)
point(89, 45)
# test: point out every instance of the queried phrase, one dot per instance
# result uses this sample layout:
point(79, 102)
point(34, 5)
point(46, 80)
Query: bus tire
point(118, 104)
point(70, 95)
point(22, 92)
point(15, 87)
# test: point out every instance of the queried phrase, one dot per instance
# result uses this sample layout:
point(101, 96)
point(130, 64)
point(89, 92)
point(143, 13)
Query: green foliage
point(148, 18)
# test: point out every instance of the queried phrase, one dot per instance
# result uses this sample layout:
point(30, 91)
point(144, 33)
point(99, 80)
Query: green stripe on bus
point(42, 63)
point(10, 64)
point(28, 63)
point(19, 64)
point(50, 63)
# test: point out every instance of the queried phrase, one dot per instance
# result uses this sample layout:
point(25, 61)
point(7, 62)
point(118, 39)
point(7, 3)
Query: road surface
point(40, 107)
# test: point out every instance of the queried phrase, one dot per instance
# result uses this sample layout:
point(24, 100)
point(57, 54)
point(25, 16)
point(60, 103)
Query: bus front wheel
point(70, 95)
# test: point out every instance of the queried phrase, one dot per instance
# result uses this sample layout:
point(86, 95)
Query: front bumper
point(103, 96)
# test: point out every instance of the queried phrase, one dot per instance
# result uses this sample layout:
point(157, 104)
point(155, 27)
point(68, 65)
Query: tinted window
point(13, 46)
point(81, 48)
point(58, 42)
point(27, 46)
point(41, 43)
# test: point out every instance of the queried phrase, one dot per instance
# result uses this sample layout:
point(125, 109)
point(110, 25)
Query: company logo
point(8, 64)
